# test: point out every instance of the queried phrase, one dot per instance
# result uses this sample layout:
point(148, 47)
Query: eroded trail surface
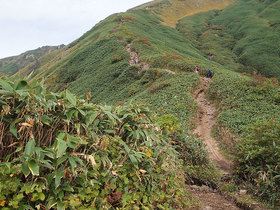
point(134, 60)
point(210, 199)
point(206, 120)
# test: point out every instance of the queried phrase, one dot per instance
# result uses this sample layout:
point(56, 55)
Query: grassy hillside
point(11, 65)
point(101, 66)
point(174, 10)
point(99, 63)
point(243, 37)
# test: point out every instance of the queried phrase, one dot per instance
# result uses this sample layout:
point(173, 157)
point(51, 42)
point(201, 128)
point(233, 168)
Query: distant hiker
point(209, 74)
point(197, 69)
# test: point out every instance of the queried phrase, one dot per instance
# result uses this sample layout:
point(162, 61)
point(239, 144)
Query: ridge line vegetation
point(96, 67)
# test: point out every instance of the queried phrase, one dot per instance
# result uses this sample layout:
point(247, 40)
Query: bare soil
point(206, 118)
point(211, 199)
point(134, 60)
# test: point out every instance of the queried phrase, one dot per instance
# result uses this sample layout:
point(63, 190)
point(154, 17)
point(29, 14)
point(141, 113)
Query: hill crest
point(173, 10)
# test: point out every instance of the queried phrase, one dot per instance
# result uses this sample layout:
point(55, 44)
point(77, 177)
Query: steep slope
point(11, 65)
point(243, 37)
point(99, 63)
point(172, 11)
point(133, 56)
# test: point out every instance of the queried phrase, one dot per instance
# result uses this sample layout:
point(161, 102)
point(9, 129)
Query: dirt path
point(209, 199)
point(134, 60)
point(206, 120)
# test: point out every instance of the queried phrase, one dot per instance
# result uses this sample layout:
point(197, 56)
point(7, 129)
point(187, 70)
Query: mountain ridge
point(172, 11)
point(11, 65)
point(132, 57)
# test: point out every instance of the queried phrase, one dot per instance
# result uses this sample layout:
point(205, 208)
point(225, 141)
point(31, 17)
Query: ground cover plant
point(244, 100)
point(249, 118)
point(97, 68)
point(258, 160)
point(243, 37)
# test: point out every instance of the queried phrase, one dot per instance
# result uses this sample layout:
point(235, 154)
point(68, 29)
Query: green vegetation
point(258, 159)
point(99, 63)
point(243, 37)
point(67, 153)
point(11, 65)
point(110, 146)
point(240, 45)
point(243, 101)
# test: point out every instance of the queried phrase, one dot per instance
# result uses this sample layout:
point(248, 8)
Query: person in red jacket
point(197, 69)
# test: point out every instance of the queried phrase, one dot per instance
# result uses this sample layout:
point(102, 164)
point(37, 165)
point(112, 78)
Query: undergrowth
point(243, 101)
point(58, 151)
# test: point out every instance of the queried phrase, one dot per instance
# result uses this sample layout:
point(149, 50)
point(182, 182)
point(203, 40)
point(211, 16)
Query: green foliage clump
point(191, 150)
point(258, 158)
point(244, 100)
point(174, 99)
point(61, 152)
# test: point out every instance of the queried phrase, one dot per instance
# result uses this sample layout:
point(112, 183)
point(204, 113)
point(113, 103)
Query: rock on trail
point(134, 60)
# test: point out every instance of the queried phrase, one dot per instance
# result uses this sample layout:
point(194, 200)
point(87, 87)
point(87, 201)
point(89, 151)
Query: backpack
point(198, 69)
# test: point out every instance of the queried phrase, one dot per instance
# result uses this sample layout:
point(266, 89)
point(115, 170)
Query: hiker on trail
point(209, 74)
point(197, 69)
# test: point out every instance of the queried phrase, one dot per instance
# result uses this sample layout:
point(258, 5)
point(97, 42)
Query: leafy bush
point(61, 152)
point(258, 159)
point(191, 150)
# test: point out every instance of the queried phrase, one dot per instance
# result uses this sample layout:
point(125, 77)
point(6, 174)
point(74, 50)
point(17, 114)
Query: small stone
point(243, 192)
point(255, 206)
point(207, 208)
point(194, 187)
point(205, 188)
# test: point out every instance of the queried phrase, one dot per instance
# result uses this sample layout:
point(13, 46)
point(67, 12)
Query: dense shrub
point(191, 150)
point(258, 159)
point(58, 151)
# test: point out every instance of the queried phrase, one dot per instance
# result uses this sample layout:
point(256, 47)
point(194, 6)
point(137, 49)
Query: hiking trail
point(134, 60)
point(206, 120)
point(206, 117)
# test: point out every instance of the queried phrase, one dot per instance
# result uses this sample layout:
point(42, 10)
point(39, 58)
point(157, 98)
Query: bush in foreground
point(258, 160)
point(61, 152)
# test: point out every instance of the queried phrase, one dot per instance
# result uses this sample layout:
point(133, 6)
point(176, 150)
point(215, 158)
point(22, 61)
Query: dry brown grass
point(180, 9)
